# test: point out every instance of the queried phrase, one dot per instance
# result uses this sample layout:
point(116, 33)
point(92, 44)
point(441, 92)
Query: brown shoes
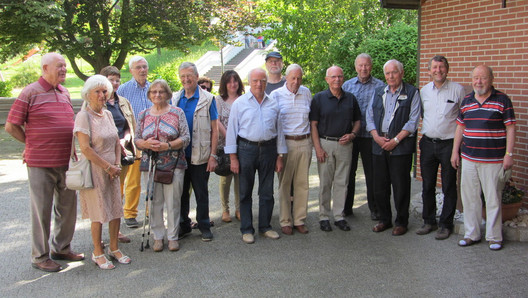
point(48, 266)
point(237, 215)
point(287, 230)
point(122, 238)
point(226, 217)
point(158, 245)
point(426, 229)
point(174, 245)
point(399, 230)
point(70, 256)
point(302, 229)
point(380, 227)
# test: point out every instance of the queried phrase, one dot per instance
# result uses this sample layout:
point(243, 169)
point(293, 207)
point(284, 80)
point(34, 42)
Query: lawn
point(157, 67)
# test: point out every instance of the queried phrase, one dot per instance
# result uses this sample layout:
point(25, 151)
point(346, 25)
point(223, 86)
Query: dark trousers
point(433, 154)
point(393, 170)
point(253, 158)
point(197, 177)
point(363, 146)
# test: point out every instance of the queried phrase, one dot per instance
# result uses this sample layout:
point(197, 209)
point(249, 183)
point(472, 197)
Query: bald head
point(53, 68)
point(257, 82)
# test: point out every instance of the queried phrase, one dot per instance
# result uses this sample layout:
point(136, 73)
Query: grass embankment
point(168, 58)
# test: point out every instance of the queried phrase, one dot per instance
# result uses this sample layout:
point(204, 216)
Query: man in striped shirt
point(135, 91)
point(42, 118)
point(484, 138)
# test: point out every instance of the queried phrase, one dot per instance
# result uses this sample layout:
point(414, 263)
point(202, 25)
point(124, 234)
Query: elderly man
point(255, 142)
point(392, 120)
point(362, 87)
point(294, 102)
point(42, 118)
point(200, 110)
point(135, 91)
point(441, 100)
point(335, 119)
point(485, 138)
point(274, 66)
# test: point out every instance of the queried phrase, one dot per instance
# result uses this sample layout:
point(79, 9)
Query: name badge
point(402, 97)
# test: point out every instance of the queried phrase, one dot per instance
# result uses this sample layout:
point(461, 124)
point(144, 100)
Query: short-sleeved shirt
point(484, 138)
point(48, 118)
point(335, 116)
point(294, 110)
point(364, 92)
point(270, 87)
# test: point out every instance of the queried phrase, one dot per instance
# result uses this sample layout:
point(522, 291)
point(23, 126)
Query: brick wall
point(472, 32)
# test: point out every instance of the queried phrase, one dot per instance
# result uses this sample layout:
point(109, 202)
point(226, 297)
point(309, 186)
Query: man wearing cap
point(274, 66)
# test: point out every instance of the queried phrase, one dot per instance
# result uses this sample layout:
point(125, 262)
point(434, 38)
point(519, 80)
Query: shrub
point(5, 89)
point(168, 72)
point(26, 74)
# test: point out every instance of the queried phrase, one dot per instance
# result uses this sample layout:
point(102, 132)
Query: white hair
point(399, 65)
point(185, 65)
point(94, 82)
point(293, 67)
point(255, 69)
point(363, 56)
point(136, 59)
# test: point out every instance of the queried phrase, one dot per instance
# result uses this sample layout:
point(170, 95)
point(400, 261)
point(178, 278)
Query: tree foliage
point(104, 32)
point(317, 34)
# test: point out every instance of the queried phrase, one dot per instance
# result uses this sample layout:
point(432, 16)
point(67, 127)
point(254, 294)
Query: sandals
point(495, 245)
point(124, 259)
point(467, 242)
point(106, 265)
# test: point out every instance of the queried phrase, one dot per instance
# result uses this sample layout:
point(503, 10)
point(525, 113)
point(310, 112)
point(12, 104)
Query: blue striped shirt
point(136, 95)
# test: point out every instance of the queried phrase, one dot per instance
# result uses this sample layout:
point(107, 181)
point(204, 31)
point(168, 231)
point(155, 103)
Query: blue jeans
point(262, 159)
point(197, 177)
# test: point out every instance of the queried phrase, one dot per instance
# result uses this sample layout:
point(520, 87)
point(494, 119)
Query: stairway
point(215, 73)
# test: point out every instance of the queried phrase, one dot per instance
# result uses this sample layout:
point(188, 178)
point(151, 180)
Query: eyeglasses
point(157, 92)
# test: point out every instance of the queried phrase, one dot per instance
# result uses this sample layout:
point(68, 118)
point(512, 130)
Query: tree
point(308, 31)
point(104, 32)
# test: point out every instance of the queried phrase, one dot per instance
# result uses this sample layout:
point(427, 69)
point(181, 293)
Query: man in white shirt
point(441, 101)
point(294, 103)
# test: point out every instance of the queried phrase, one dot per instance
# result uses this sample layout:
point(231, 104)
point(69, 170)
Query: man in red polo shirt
point(42, 118)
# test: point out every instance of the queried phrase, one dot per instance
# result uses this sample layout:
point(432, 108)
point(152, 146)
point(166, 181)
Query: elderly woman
point(231, 87)
point(99, 143)
point(126, 125)
point(162, 129)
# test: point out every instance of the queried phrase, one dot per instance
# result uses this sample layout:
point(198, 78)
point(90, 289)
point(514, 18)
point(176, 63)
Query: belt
point(259, 143)
point(384, 135)
point(437, 140)
point(330, 138)
point(296, 138)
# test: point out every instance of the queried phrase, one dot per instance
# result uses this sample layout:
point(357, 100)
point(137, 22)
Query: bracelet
point(170, 147)
point(396, 140)
point(214, 156)
point(108, 168)
point(118, 165)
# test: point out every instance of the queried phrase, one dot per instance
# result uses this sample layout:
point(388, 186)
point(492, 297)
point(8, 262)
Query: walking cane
point(148, 197)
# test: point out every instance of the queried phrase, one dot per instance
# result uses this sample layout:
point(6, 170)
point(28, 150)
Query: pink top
point(47, 116)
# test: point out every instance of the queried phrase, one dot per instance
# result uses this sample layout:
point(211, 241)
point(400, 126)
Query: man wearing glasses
point(335, 120)
point(274, 67)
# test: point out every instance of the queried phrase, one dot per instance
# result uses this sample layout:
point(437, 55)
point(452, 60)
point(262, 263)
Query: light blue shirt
point(136, 95)
point(364, 92)
point(255, 122)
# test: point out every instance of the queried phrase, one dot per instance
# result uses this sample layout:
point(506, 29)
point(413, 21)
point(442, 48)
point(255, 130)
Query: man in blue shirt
point(200, 110)
point(363, 87)
point(135, 91)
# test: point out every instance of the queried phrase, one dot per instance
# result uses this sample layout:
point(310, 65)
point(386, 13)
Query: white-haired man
point(294, 102)
point(135, 91)
point(255, 142)
point(392, 120)
point(42, 118)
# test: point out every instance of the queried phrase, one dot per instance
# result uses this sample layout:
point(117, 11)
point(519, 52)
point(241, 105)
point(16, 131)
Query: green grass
point(74, 84)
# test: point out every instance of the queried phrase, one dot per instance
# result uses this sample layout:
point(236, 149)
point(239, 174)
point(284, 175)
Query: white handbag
point(79, 174)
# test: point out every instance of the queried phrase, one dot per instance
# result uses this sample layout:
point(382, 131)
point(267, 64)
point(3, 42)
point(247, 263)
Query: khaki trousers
point(477, 176)
point(48, 193)
point(132, 190)
point(168, 196)
point(333, 177)
point(225, 185)
point(296, 169)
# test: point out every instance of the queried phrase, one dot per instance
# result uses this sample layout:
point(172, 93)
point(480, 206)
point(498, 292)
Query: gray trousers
point(48, 193)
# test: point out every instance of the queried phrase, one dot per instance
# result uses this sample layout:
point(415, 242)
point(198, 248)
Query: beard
point(481, 91)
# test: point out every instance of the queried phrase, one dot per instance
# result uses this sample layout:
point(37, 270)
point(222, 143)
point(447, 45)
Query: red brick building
point(473, 32)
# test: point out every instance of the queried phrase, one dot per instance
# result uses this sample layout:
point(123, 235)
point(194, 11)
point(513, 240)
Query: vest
point(401, 116)
point(201, 134)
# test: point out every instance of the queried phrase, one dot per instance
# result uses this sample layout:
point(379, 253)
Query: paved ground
point(358, 263)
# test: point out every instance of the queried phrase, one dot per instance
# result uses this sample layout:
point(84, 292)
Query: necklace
point(98, 114)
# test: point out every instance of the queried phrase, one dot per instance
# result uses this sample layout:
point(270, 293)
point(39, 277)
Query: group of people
point(273, 127)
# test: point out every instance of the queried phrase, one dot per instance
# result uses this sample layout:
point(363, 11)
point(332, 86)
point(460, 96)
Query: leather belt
point(437, 140)
point(259, 143)
point(330, 138)
point(296, 138)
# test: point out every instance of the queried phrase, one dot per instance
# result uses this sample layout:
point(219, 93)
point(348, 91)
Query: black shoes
point(342, 225)
point(325, 225)
point(184, 230)
point(207, 235)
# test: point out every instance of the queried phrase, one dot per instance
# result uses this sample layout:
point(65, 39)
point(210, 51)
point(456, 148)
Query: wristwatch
point(214, 156)
point(509, 153)
point(281, 155)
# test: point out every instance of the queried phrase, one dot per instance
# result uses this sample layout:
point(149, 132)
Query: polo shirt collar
point(47, 86)
point(196, 94)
